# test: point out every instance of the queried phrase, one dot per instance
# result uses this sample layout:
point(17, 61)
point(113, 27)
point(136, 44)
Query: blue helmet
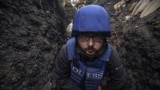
point(91, 19)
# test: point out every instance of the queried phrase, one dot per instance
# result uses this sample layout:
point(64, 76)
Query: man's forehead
point(91, 34)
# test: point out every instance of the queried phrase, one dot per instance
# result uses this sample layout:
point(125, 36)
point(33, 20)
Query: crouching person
point(87, 57)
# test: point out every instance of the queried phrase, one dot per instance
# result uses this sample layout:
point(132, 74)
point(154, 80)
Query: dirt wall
point(31, 32)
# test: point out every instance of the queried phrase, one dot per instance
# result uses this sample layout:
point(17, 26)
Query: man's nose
point(90, 41)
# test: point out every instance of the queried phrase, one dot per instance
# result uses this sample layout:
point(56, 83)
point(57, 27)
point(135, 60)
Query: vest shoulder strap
point(71, 48)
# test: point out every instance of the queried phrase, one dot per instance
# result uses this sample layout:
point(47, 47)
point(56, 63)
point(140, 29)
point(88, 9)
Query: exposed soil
point(32, 31)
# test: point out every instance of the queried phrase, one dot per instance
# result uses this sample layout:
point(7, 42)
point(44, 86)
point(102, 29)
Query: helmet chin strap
point(87, 57)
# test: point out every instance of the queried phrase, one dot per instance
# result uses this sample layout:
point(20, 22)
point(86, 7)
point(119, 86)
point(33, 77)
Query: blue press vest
point(94, 70)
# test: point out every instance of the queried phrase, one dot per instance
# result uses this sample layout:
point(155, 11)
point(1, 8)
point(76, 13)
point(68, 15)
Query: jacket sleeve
point(116, 72)
point(62, 72)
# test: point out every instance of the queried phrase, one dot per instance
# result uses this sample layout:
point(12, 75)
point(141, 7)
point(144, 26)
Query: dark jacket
point(116, 72)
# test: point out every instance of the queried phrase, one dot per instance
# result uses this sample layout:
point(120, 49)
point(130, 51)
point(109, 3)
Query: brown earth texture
point(32, 32)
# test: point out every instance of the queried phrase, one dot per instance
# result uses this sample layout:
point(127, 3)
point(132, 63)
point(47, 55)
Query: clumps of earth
point(32, 32)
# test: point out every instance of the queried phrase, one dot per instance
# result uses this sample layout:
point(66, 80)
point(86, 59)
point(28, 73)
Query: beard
point(91, 51)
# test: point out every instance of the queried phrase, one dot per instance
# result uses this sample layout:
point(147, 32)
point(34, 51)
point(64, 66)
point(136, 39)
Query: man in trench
point(87, 58)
